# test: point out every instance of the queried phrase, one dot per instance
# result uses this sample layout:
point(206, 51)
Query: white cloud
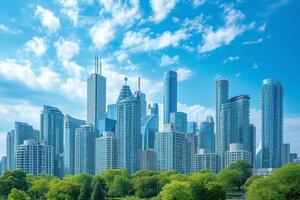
point(6, 29)
point(259, 40)
point(70, 9)
point(141, 42)
point(161, 9)
point(197, 3)
point(167, 60)
point(37, 45)
point(102, 33)
point(196, 112)
point(231, 59)
point(262, 28)
point(47, 18)
point(121, 56)
point(184, 73)
point(225, 35)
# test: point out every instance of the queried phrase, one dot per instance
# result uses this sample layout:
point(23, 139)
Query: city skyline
point(24, 94)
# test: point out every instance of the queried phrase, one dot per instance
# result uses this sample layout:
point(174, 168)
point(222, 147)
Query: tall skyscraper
point(10, 150)
point(272, 122)
point(170, 95)
point(85, 139)
point(35, 158)
point(234, 123)
point(222, 93)
point(106, 152)
point(149, 126)
point(112, 111)
point(191, 150)
point(128, 129)
point(96, 95)
point(179, 119)
point(52, 133)
point(206, 135)
point(70, 125)
point(252, 132)
point(191, 127)
point(142, 99)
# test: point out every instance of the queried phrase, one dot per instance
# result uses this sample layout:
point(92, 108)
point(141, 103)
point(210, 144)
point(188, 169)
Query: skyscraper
point(112, 111)
point(35, 158)
point(3, 165)
point(107, 124)
point(191, 127)
point(206, 135)
point(206, 161)
point(222, 93)
point(142, 99)
point(128, 129)
point(272, 122)
point(170, 95)
point(10, 150)
point(285, 153)
point(52, 133)
point(70, 125)
point(85, 138)
point(179, 119)
point(252, 132)
point(149, 126)
point(96, 95)
point(234, 123)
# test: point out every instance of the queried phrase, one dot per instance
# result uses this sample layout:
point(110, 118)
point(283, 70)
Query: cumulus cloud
point(161, 9)
point(231, 59)
point(70, 9)
point(48, 19)
point(197, 3)
point(6, 29)
point(168, 60)
point(184, 73)
point(37, 45)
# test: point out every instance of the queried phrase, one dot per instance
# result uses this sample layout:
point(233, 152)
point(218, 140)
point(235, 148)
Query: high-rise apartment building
point(128, 130)
point(85, 138)
point(96, 95)
point(52, 133)
point(206, 161)
point(70, 125)
point(170, 95)
point(179, 119)
point(272, 123)
point(206, 135)
point(222, 94)
point(35, 158)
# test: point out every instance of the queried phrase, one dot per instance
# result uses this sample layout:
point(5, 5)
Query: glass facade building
point(206, 135)
point(10, 150)
point(179, 119)
point(149, 126)
point(112, 111)
point(170, 95)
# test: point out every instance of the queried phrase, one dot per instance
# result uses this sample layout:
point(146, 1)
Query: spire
point(100, 66)
point(125, 79)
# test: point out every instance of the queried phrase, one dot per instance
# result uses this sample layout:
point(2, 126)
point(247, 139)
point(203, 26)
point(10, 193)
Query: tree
point(12, 179)
point(109, 175)
point(244, 167)
point(98, 192)
point(62, 190)
point(176, 190)
point(16, 194)
point(39, 186)
point(120, 187)
point(146, 187)
point(165, 178)
point(231, 179)
point(85, 192)
point(214, 191)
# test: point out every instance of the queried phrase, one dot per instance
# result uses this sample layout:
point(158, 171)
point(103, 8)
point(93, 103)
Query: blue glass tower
point(206, 135)
point(272, 123)
point(149, 126)
point(170, 95)
point(179, 119)
point(112, 111)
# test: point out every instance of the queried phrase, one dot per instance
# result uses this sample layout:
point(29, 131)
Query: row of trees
point(118, 183)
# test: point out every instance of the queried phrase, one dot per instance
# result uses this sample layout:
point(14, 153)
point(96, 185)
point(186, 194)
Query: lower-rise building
point(148, 159)
point(235, 153)
point(35, 158)
point(3, 165)
point(205, 160)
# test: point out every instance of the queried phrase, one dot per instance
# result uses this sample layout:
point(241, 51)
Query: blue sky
point(47, 50)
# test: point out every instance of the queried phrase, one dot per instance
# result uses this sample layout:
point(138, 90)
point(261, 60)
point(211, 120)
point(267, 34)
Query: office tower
point(112, 111)
point(148, 161)
point(85, 138)
point(272, 122)
point(149, 126)
point(236, 152)
point(3, 165)
point(292, 157)
point(234, 123)
point(207, 161)
point(170, 149)
point(70, 125)
point(285, 153)
point(258, 157)
point(191, 127)
point(96, 95)
point(179, 119)
point(107, 124)
point(106, 152)
point(206, 135)
point(52, 132)
point(35, 158)
point(252, 132)
point(128, 130)
point(142, 99)
point(191, 150)
point(170, 95)
point(10, 150)
point(222, 93)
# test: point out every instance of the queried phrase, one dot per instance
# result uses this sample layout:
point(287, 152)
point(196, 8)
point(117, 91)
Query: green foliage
point(176, 190)
point(165, 178)
point(12, 179)
point(244, 167)
point(179, 177)
point(16, 194)
point(120, 187)
point(85, 192)
point(98, 191)
point(110, 175)
point(231, 179)
point(146, 187)
point(251, 179)
point(63, 190)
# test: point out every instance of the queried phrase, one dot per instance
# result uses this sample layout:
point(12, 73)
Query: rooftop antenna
point(100, 66)
point(125, 79)
point(95, 63)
